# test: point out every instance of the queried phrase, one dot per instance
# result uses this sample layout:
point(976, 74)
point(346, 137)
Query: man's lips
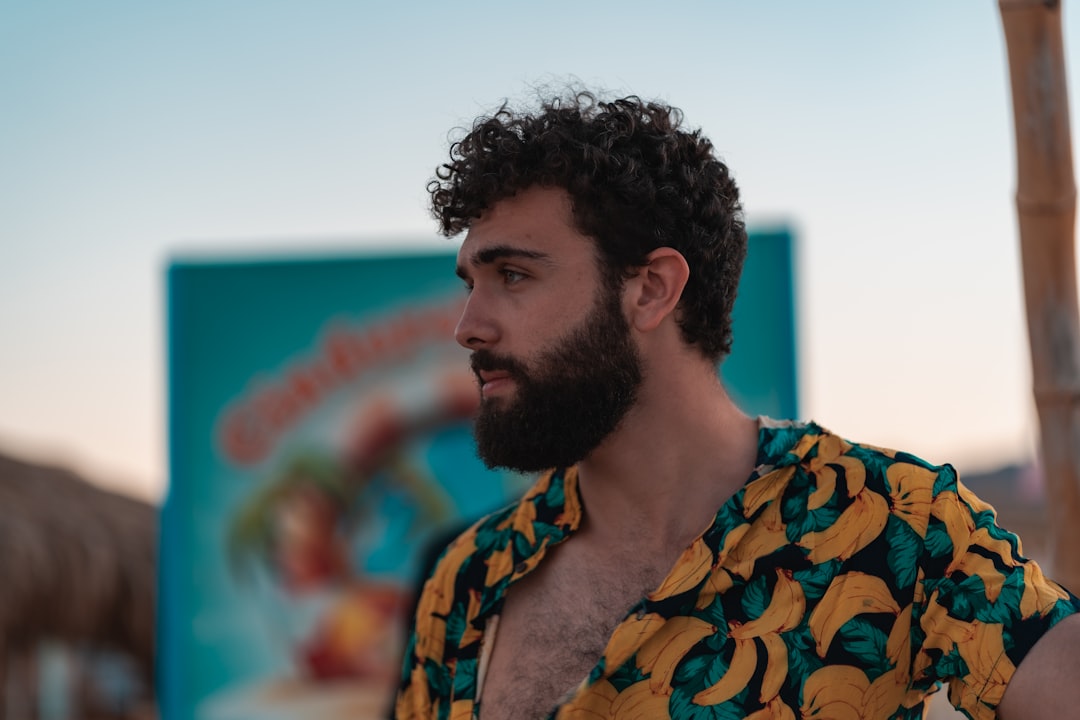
point(492, 380)
point(493, 373)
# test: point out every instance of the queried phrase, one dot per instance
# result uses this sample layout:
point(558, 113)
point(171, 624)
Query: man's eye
point(512, 276)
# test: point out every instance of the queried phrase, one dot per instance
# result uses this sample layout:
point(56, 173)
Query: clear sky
point(132, 131)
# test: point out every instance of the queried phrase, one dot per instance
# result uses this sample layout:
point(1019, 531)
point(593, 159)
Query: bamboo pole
point(1046, 209)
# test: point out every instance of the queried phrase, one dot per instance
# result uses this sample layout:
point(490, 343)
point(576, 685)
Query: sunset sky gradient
point(135, 132)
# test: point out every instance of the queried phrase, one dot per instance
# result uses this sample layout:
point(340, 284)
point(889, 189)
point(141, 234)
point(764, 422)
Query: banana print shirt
point(842, 580)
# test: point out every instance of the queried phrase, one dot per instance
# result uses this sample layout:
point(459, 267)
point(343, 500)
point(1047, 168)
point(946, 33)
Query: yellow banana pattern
point(842, 581)
point(851, 594)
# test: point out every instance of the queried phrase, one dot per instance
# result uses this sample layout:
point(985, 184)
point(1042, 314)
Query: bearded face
point(567, 400)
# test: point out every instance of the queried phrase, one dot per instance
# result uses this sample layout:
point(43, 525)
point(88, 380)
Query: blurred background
point(133, 133)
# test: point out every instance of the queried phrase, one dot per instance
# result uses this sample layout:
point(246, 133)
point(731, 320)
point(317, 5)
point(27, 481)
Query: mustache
point(485, 360)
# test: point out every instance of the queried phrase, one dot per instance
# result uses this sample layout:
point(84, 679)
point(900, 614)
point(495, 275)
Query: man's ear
point(656, 288)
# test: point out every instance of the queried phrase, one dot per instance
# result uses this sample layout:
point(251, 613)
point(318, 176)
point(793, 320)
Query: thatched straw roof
point(77, 563)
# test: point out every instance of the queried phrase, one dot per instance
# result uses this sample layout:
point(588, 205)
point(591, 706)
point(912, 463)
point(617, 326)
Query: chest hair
point(553, 629)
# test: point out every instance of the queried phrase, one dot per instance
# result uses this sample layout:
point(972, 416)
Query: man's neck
point(676, 457)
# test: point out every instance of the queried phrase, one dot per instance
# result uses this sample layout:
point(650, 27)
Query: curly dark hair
point(637, 181)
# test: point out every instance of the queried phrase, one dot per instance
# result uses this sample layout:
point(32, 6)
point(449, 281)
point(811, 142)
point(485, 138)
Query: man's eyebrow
point(500, 252)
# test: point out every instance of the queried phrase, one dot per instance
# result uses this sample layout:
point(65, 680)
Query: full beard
point(565, 403)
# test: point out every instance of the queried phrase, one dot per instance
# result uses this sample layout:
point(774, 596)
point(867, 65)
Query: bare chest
point(553, 629)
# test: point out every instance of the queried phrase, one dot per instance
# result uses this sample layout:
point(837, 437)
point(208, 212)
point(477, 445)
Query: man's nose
point(475, 328)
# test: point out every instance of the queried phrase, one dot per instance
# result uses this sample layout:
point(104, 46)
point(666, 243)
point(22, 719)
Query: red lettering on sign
point(252, 424)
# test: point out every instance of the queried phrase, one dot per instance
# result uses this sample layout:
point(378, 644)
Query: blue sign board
point(319, 442)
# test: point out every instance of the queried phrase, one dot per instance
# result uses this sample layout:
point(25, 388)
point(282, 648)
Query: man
point(682, 559)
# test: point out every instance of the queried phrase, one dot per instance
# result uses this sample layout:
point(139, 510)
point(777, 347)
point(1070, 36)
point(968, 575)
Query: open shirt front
point(841, 579)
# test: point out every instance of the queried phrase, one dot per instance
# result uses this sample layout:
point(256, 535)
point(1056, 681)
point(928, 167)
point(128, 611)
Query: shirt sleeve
point(980, 605)
point(423, 676)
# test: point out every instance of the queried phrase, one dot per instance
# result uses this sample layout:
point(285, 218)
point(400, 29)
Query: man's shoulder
point(824, 459)
point(786, 442)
